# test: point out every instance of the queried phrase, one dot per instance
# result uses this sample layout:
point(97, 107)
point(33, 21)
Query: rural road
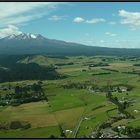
point(75, 131)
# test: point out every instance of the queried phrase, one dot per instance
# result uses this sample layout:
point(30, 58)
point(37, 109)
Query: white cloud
point(92, 21)
point(21, 19)
point(112, 22)
point(78, 19)
point(9, 31)
point(21, 12)
point(95, 20)
point(130, 18)
point(110, 34)
point(56, 18)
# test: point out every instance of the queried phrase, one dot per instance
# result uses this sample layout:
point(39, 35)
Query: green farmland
point(77, 104)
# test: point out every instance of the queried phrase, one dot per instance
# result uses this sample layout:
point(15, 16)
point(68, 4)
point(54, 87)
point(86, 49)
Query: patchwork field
point(77, 104)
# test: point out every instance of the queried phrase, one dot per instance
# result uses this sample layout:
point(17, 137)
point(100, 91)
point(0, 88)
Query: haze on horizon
point(108, 24)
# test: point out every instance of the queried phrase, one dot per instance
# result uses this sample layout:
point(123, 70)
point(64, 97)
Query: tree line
point(23, 94)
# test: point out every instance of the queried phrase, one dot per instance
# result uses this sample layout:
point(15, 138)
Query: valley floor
point(75, 108)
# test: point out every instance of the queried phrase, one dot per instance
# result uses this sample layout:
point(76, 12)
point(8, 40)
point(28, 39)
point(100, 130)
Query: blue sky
point(108, 24)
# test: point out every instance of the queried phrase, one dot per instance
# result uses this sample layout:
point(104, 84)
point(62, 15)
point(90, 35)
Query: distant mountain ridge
point(24, 36)
point(28, 43)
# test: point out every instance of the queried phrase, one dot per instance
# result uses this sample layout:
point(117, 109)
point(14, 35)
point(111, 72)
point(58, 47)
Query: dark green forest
point(12, 71)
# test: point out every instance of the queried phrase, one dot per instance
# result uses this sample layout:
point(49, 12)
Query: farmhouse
point(69, 131)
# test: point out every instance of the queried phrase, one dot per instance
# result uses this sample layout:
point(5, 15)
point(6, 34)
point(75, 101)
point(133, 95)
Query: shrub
point(18, 124)
point(15, 125)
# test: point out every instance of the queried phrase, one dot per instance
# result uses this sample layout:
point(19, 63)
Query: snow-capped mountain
point(37, 44)
point(24, 36)
point(33, 43)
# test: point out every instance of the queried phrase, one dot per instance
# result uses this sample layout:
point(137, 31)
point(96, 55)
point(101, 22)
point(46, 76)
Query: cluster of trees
point(121, 105)
point(102, 73)
point(62, 133)
point(58, 56)
point(63, 64)
point(18, 71)
point(136, 65)
point(14, 125)
point(113, 58)
point(30, 71)
point(106, 124)
point(133, 72)
point(26, 94)
point(119, 87)
point(77, 85)
point(100, 106)
point(93, 86)
point(99, 65)
point(133, 58)
point(122, 109)
point(9, 60)
point(128, 130)
point(82, 85)
point(110, 69)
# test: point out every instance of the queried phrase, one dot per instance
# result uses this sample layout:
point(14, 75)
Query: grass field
point(66, 106)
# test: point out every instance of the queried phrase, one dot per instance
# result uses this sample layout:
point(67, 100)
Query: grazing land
point(72, 97)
